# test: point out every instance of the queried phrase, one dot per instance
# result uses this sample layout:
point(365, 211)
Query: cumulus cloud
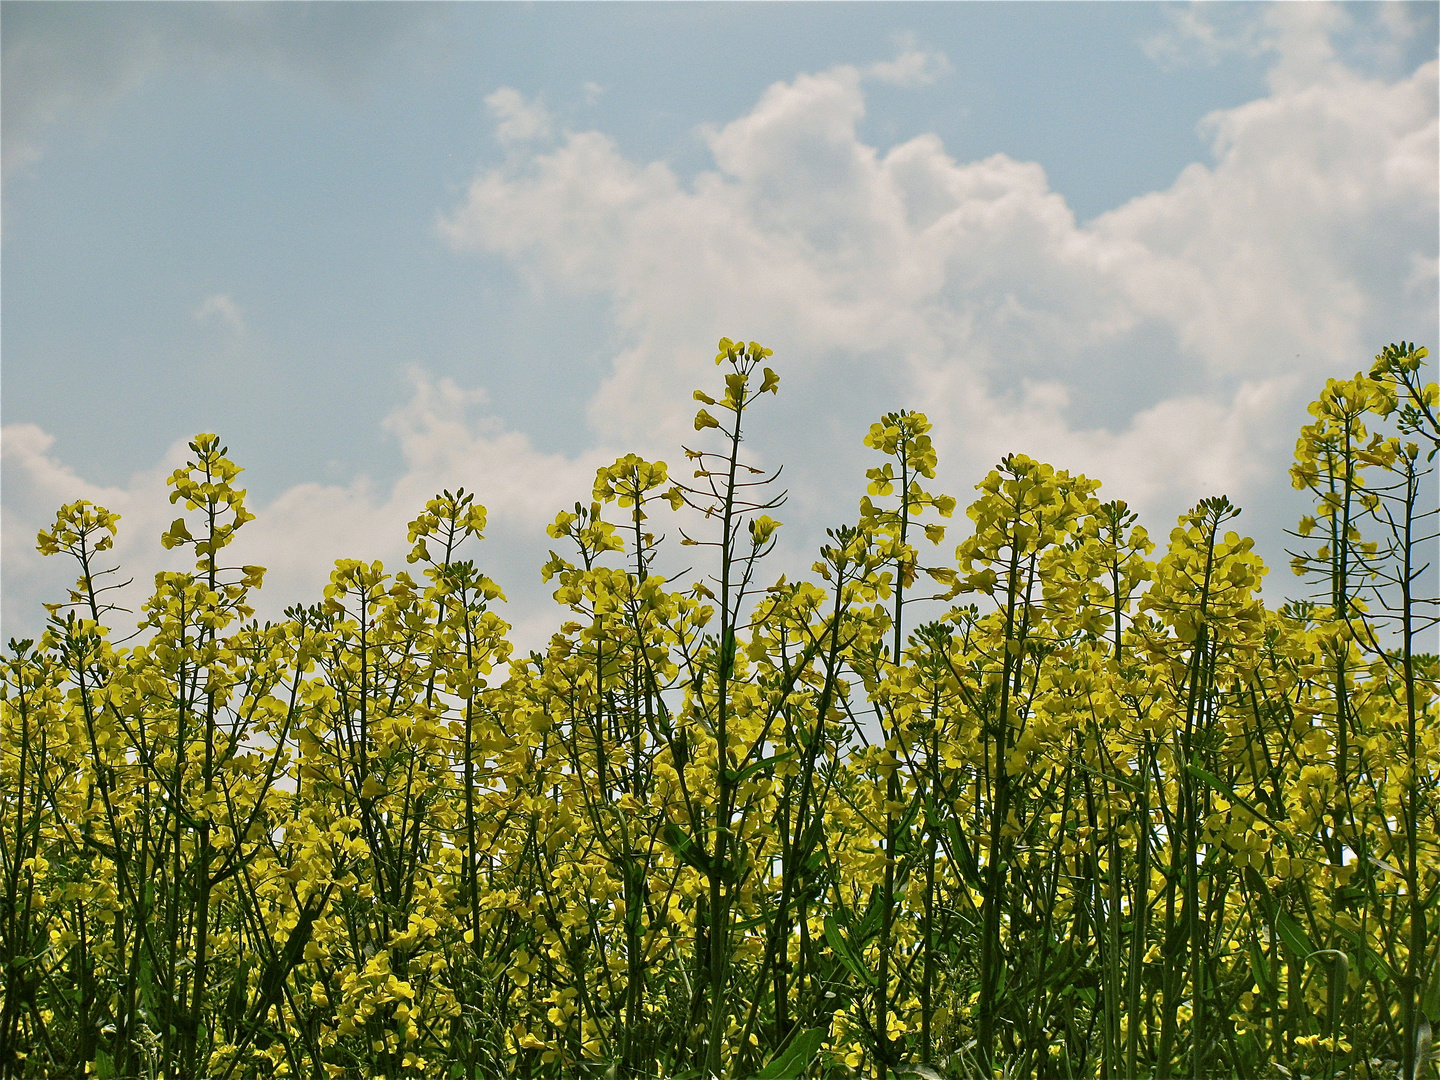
point(1196, 35)
point(1300, 38)
point(1166, 347)
point(1189, 316)
point(221, 309)
point(36, 482)
point(912, 65)
point(517, 120)
point(299, 534)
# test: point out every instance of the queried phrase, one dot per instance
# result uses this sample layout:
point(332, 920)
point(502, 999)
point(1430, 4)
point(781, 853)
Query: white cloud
point(222, 309)
point(1203, 34)
point(1165, 347)
point(1301, 38)
point(36, 483)
point(518, 120)
point(1287, 257)
point(298, 535)
point(912, 66)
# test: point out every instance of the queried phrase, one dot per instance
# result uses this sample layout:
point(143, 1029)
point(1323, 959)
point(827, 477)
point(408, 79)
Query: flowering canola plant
point(1059, 805)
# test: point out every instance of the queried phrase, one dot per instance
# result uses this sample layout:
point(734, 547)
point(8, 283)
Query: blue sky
point(384, 248)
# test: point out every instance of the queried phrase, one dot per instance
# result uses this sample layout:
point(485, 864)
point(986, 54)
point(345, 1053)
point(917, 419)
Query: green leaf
point(1430, 996)
point(1261, 890)
point(1259, 968)
point(969, 868)
point(1293, 934)
point(1370, 962)
point(750, 770)
point(149, 996)
point(234, 1009)
point(869, 924)
point(836, 939)
point(912, 813)
point(1231, 794)
point(762, 919)
point(686, 848)
point(797, 1056)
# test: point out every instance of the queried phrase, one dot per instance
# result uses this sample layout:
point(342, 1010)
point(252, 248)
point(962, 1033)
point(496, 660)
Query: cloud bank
point(1166, 347)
